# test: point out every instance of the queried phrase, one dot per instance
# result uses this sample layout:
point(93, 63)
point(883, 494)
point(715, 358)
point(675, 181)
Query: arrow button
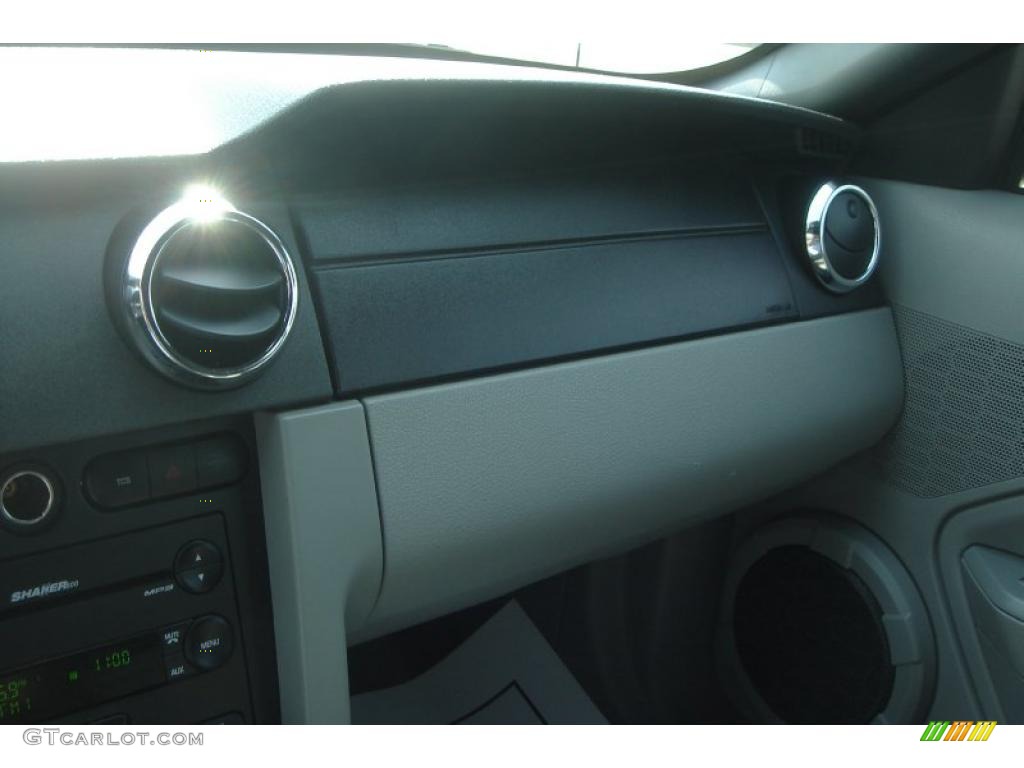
point(201, 579)
point(199, 566)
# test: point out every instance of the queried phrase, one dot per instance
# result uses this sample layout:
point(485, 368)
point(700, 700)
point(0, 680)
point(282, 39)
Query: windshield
point(621, 56)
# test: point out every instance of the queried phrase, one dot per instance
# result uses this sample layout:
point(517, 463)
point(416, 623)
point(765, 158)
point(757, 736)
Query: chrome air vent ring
point(209, 293)
point(842, 236)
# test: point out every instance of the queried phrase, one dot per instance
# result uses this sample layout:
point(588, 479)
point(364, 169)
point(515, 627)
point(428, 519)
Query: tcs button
point(117, 480)
point(209, 642)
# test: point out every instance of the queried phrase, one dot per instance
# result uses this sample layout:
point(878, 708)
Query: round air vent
point(842, 236)
point(821, 623)
point(210, 293)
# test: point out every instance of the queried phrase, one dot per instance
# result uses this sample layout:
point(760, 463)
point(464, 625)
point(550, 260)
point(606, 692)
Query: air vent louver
point(211, 293)
point(842, 236)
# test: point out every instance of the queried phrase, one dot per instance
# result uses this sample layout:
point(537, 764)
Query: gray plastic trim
point(996, 525)
point(851, 79)
point(324, 550)
point(929, 535)
point(1001, 633)
point(490, 484)
point(1000, 576)
point(954, 254)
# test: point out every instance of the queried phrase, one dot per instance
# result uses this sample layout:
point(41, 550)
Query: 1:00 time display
point(116, 659)
point(15, 695)
point(79, 680)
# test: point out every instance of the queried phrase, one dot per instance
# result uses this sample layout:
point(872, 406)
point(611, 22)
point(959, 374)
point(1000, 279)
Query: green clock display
point(116, 659)
point(81, 680)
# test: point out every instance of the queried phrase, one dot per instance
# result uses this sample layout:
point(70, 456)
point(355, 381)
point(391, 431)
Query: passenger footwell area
point(505, 673)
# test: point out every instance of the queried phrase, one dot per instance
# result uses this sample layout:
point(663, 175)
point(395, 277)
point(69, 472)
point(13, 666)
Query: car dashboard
point(300, 351)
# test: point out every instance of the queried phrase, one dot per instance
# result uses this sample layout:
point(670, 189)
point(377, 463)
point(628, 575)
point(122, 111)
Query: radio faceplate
point(109, 672)
point(127, 635)
point(95, 575)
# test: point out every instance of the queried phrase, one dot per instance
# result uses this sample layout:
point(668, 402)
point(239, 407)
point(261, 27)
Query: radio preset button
point(209, 642)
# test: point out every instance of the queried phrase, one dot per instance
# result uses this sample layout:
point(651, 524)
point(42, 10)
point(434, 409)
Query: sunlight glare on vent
point(205, 203)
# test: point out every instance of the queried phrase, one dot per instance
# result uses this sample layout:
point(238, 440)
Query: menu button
point(209, 642)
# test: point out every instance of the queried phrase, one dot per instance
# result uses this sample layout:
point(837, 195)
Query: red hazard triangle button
point(172, 470)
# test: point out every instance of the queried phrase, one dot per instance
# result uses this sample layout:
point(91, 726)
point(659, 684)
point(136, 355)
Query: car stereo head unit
point(108, 672)
point(154, 622)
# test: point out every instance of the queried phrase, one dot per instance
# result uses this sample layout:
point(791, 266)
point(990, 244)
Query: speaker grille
point(962, 425)
point(810, 637)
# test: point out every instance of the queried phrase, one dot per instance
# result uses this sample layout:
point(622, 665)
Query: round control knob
point(842, 236)
point(198, 567)
point(209, 642)
point(28, 498)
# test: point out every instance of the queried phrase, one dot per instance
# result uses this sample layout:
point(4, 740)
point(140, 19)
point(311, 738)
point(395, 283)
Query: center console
point(133, 589)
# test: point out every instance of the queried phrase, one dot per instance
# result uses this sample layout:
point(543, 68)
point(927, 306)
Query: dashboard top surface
point(488, 199)
point(205, 99)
